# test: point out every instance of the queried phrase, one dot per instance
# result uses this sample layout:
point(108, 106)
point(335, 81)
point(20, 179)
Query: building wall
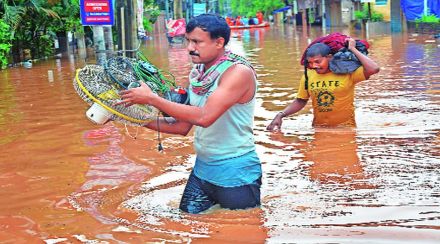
point(347, 12)
point(335, 11)
point(385, 10)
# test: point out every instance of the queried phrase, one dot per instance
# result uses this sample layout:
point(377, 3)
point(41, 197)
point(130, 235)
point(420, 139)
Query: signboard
point(199, 8)
point(96, 12)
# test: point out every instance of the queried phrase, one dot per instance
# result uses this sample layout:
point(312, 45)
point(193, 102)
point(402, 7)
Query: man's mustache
point(192, 53)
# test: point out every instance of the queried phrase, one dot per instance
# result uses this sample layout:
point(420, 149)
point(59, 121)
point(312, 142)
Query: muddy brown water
point(66, 180)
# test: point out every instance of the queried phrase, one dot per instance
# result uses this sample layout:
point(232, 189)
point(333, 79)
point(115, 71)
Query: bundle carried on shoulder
point(99, 86)
point(343, 61)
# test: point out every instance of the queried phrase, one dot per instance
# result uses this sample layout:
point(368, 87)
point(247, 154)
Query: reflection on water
point(334, 159)
point(65, 180)
point(107, 170)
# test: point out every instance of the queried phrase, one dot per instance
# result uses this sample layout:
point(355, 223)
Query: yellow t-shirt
point(332, 96)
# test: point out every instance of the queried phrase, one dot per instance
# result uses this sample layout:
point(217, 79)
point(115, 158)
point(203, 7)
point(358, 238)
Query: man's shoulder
point(238, 74)
point(237, 58)
point(240, 70)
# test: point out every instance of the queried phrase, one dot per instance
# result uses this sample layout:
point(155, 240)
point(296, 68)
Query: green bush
point(363, 15)
point(5, 44)
point(45, 47)
point(428, 19)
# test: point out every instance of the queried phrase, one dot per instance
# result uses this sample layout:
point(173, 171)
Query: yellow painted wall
point(385, 10)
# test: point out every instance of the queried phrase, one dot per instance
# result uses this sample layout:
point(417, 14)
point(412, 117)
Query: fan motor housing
point(97, 114)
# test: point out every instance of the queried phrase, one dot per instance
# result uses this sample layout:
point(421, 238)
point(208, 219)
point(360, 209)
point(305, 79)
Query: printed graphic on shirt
point(325, 101)
point(324, 94)
point(324, 84)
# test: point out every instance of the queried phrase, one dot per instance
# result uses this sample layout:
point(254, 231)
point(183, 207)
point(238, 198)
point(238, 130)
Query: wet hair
point(314, 50)
point(318, 49)
point(214, 24)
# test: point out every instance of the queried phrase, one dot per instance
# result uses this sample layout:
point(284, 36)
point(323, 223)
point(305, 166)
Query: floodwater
point(66, 180)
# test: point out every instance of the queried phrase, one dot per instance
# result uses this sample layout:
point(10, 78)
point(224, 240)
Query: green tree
point(5, 44)
point(365, 14)
point(28, 21)
point(69, 16)
point(16, 13)
point(152, 12)
point(251, 7)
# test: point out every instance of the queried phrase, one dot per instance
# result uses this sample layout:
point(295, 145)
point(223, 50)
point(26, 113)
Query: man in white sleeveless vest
point(222, 92)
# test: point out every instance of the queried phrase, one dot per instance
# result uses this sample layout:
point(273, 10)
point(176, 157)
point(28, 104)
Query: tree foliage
point(33, 24)
point(69, 16)
point(5, 44)
point(251, 7)
point(365, 14)
point(17, 13)
point(152, 12)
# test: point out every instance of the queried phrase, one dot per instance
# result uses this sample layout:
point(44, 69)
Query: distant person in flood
point(259, 17)
point(251, 20)
point(245, 21)
point(256, 21)
point(332, 94)
point(229, 21)
point(238, 21)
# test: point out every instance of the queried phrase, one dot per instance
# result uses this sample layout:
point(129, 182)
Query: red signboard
point(96, 12)
point(96, 6)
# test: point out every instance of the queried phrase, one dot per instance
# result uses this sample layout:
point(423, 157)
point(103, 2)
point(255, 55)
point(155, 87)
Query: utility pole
point(178, 9)
point(294, 11)
point(167, 10)
point(127, 26)
point(108, 37)
point(81, 44)
point(98, 40)
point(189, 10)
point(369, 11)
point(323, 19)
point(425, 7)
point(396, 17)
point(304, 18)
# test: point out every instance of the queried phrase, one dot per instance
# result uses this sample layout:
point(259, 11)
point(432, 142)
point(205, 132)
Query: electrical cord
point(159, 145)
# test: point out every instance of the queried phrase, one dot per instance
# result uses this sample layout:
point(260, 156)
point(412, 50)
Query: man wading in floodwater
point(332, 94)
point(222, 92)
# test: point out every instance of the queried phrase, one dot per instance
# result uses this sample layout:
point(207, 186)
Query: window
point(381, 2)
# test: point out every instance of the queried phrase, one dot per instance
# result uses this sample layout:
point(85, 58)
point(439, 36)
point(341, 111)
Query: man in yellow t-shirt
point(332, 94)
